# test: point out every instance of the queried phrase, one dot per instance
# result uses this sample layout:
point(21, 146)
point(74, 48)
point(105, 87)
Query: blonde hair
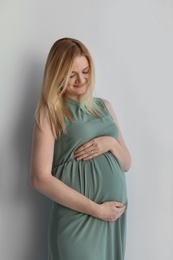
point(56, 75)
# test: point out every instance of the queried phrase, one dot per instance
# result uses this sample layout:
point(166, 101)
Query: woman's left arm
point(102, 144)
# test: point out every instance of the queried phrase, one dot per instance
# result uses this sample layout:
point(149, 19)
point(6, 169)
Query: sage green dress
point(73, 235)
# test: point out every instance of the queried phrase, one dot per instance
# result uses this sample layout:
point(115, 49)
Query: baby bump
point(111, 179)
point(100, 179)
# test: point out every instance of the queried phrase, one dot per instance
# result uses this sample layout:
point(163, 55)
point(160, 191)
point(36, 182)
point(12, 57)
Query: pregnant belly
point(100, 179)
point(111, 179)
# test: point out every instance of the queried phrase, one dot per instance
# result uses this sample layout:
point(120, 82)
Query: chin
point(79, 91)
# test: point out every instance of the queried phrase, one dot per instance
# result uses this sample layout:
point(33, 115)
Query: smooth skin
point(79, 77)
point(42, 156)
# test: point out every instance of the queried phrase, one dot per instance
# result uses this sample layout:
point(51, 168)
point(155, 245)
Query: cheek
point(87, 77)
point(71, 82)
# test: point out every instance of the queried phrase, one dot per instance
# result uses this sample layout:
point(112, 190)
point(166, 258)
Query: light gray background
point(131, 42)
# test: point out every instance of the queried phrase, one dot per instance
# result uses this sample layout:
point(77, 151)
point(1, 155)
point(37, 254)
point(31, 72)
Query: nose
point(80, 79)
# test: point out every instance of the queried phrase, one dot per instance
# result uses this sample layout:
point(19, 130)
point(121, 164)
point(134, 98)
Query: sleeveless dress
point(73, 235)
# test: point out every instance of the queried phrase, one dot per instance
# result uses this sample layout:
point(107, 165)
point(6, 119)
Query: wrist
point(96, 210)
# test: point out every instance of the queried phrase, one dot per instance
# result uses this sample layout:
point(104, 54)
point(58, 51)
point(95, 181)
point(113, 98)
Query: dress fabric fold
point(71, 234)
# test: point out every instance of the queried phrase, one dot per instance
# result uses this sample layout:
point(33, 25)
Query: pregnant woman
point(78, 160)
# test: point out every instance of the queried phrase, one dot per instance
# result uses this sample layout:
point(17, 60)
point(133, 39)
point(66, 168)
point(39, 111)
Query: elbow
point(35, 181)
point(126, 168)
point(127, 165)
point(39, 181)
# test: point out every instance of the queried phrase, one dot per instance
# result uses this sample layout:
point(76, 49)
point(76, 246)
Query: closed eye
point(86, 71)
point(72, 76)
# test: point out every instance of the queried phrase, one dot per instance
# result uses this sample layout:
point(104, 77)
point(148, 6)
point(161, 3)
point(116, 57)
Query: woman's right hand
point(111, 210)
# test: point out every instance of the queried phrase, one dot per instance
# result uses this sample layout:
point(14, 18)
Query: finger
point(84, 147)
point(85, 156)
point(90, 155)
point(119, 204)
point(84, 152)
point(87, 151)
point(121, 213)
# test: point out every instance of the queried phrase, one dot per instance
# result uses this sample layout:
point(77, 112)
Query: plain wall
point(131, 43)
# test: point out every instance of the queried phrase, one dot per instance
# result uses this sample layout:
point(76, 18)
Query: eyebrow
point(82, 69)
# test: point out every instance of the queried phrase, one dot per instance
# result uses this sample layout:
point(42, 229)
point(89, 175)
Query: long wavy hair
point(56, 76)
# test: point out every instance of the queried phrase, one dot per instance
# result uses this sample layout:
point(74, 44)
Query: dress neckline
point(72, 101)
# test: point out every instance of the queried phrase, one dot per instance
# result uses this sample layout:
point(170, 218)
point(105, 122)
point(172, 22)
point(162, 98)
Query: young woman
point(78, 160)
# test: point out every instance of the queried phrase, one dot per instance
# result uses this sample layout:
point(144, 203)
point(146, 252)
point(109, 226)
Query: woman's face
point(78, 82)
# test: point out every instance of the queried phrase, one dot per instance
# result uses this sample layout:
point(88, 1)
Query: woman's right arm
point(43, 181)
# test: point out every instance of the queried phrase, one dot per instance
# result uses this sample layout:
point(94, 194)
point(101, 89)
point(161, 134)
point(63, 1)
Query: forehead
point(80, 62)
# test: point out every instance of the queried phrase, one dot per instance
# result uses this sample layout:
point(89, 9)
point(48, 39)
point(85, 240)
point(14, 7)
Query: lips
point(79, 85)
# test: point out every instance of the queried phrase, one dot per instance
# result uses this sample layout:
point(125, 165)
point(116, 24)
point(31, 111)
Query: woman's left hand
point(94, 147)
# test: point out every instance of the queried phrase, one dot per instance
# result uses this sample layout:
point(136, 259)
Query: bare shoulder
point(107, 104)
point(110, 109)
point(106, 101)
point(114, 117)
